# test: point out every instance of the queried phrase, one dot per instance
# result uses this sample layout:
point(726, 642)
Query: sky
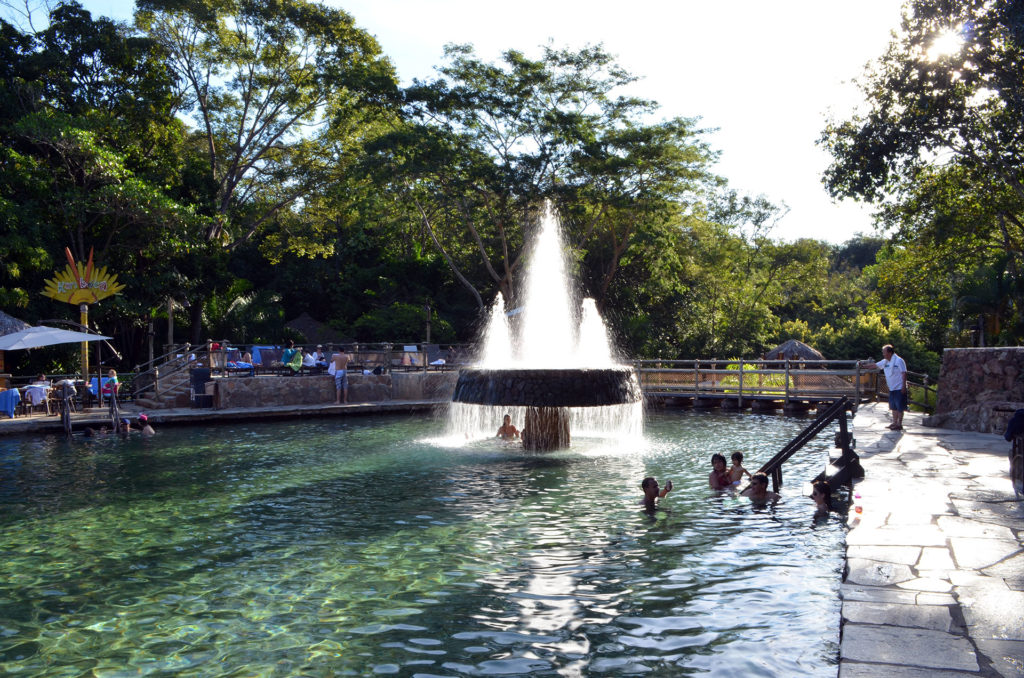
point(764, 75)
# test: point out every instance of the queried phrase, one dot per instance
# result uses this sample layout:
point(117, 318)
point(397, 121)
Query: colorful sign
point(78, 284)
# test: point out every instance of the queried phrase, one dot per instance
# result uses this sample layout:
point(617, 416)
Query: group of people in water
point(124, 427)
point(720, 478)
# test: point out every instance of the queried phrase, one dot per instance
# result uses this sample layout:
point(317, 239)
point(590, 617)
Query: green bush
point(864, 337)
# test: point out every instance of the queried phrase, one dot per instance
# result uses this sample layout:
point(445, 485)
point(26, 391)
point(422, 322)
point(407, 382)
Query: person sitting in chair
point(291, 357)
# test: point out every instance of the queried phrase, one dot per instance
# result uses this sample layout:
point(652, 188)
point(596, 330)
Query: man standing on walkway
point(895, 370)
point(340, 360)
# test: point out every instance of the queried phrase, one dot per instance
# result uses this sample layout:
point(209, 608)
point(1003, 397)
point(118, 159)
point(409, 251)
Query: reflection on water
point(358, 546)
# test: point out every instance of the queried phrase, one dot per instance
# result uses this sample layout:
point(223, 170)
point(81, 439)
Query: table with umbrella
point(38, 337)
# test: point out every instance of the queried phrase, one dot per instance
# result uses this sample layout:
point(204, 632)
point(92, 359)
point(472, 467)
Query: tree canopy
point(241, 163)
point(941, 147)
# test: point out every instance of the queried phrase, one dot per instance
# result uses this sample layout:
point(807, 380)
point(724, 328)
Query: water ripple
point(330, 547)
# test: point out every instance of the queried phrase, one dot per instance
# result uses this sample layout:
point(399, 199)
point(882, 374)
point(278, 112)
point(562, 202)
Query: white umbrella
point(34, 337)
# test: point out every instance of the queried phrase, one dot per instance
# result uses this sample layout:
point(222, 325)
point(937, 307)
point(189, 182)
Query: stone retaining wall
point(267, 391)
point(979, 389)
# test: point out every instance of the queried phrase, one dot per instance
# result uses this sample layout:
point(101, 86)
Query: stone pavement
point(935, 555)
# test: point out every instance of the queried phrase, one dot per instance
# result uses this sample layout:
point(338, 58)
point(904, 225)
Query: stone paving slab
point(934, 617)
point(975, 554)
point(852, 670)
point(906, 555)
point(1007, 656)
point(935, 556)
point(920, 648)
point(992, 612)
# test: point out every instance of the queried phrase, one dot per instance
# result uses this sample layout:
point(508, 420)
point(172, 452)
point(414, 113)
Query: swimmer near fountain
point(554, 375)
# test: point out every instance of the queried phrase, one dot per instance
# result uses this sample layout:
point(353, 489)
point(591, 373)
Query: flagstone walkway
point(935, 558)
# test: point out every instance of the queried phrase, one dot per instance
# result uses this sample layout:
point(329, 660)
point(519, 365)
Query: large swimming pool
point(364, 546)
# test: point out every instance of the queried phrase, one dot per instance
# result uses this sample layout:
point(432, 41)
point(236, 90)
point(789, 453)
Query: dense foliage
point(239, 163)
point(941, 148)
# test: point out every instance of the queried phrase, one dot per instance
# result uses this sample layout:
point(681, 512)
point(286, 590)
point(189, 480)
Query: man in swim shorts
point(340, 360)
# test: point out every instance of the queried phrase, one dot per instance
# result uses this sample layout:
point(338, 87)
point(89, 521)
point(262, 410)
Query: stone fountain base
point(547, 394)
point(546, 429)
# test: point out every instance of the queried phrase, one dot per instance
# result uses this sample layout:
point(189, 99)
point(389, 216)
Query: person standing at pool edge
point(340, 360)
point(895, 370)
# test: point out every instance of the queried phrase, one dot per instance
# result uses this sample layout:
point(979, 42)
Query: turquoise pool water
point(362, 546)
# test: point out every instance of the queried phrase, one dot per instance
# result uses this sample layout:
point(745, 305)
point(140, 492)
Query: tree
point(282, 94)
point(88, 150)
point(486, 143)
point(942, 142)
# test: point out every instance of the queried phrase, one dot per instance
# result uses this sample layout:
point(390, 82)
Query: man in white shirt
point(895, 370)
point(308, 360)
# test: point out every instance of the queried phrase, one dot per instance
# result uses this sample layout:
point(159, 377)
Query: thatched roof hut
point(9, 324)
point(314, 331)
point(793, 350)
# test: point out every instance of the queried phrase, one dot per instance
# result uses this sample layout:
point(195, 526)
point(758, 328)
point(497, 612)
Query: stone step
point(165, 401)
point(146, 404)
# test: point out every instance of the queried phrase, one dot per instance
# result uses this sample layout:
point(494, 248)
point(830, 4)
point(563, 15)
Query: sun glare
point(945, 43)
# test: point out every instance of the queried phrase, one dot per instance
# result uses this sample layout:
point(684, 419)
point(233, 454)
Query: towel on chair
point(9, 400)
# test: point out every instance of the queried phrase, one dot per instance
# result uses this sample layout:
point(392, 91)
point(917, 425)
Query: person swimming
point(718, 479)
point(651, 491)
point(758, 490)
point(736, 471)
point(821, 493)
point(507, 430)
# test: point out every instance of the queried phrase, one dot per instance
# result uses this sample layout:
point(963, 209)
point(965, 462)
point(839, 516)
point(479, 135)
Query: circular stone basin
point(583, 387)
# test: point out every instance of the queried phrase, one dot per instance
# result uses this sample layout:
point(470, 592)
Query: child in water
point(821, 493)
point(718, 479)
point(652, 492)
point(736, 471)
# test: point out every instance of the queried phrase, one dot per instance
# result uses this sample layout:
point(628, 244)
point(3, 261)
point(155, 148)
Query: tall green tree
point(486, 143)
point(941, 143)
point(88, 150)
point(281, 94)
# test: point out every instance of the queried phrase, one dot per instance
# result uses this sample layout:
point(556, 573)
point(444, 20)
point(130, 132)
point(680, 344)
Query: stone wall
point(979, 389)
point(267, 391)
point(423, 385)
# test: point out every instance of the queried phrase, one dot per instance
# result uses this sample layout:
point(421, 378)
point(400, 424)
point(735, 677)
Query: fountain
point(559, 375)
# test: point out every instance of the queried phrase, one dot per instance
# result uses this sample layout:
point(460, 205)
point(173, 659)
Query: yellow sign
point(78, 284)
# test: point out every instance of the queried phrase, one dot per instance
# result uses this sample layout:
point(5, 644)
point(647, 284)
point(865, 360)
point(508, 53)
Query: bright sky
point(765, 74)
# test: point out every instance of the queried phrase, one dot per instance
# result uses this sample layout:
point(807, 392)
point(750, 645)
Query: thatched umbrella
point(793, 350)
point(797, 351)
point(314, 331)
point(8, 325)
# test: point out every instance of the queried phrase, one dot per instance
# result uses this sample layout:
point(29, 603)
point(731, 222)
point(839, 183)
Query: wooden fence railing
point(785, 380)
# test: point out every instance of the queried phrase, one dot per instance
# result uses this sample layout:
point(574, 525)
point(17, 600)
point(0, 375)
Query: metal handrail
point(149, 380)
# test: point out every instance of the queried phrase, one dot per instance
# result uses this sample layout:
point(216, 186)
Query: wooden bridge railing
point(757, 379)
point(774, 379)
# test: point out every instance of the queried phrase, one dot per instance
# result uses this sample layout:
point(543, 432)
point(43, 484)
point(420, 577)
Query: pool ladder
point(839, 471)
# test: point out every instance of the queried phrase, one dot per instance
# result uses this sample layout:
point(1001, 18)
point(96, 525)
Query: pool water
point(364, 546)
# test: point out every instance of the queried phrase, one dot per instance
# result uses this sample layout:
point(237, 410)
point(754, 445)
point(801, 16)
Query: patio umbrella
point(34, 337)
